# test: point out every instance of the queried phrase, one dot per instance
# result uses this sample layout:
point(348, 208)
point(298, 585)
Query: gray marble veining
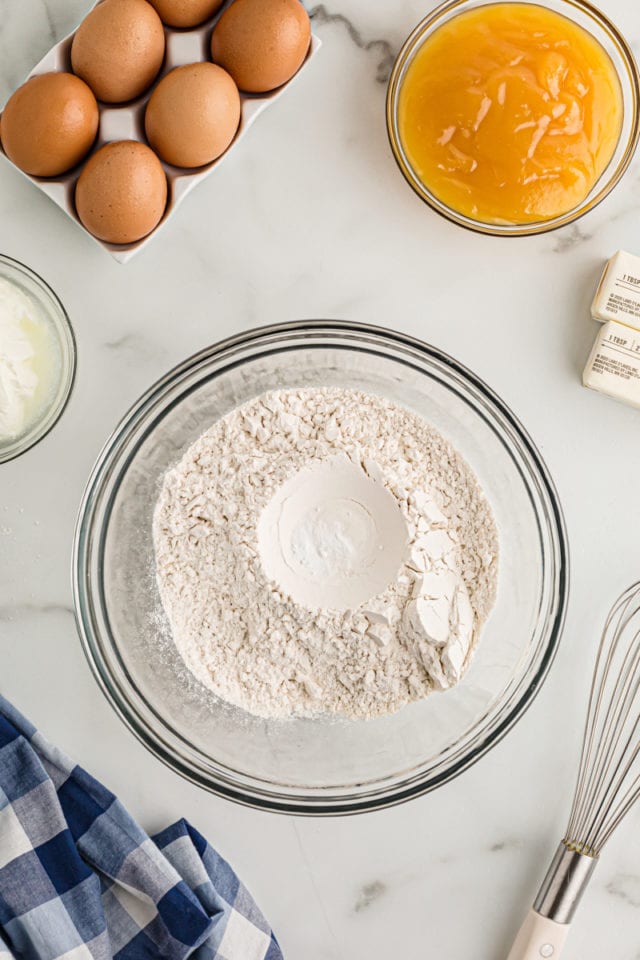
point(28, 29)
point(504, 846)
point(625, 887)
point(23, 611)
point(570, 238)
point(129, 348)
point(369, 894)
point(321, 17)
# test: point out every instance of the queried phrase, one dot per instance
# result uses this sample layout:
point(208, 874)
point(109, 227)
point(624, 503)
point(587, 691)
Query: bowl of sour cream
point(37, 358)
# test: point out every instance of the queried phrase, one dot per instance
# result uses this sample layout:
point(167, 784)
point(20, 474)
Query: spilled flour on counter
point(324, 551)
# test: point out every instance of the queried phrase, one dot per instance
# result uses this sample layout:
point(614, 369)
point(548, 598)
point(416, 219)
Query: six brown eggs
point(50, 124)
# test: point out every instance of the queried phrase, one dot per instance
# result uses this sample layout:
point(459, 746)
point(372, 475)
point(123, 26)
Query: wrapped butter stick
point(613, 366)
point(618, 293)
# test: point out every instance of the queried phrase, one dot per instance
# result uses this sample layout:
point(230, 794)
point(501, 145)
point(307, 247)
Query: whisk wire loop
point(608, 782)
point(607, 786)
point(612, 754)
point(616, 779)
point(595, 699)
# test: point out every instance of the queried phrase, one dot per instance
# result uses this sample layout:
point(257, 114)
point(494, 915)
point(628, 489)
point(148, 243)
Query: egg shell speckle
point(186, 13)
point(193, 115)
point(121, 193)
point(261, 43)
point(49, 124)
point(118, 49)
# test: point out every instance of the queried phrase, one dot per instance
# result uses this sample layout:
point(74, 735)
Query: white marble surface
point(311, 219)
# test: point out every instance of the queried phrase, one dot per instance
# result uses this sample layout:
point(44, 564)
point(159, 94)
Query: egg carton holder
point(126, 122)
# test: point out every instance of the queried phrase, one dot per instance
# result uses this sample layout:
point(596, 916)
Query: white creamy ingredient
point(27, 360)
point(324, 551)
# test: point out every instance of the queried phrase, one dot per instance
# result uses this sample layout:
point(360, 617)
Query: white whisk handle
point(539, 939)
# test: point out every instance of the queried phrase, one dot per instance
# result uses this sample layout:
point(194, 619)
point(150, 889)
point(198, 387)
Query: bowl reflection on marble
point(315, 766)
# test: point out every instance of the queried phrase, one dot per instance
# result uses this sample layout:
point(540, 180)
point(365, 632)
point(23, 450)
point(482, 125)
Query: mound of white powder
point(324, 551)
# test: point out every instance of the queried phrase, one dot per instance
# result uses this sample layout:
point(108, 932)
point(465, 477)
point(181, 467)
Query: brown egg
point(193, 114)
point(122, 192)
point(118, 49)
point(261, 43)
point(49, 124)
point(186, 13)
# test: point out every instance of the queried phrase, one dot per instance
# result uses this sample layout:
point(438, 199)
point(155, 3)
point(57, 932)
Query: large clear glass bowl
point(599, 26)
point(302, 765)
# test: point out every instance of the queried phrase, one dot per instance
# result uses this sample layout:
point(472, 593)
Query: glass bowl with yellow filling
point(514, 118)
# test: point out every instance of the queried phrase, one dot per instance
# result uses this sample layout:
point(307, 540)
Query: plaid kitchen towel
point(80, 880)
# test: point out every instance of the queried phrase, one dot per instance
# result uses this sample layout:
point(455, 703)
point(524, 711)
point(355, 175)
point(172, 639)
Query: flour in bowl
point(324, 551)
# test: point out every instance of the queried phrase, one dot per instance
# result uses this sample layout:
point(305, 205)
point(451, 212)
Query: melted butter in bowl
point(509, 113)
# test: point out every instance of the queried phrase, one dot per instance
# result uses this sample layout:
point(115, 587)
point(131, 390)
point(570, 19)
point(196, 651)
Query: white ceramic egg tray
point(126, 122)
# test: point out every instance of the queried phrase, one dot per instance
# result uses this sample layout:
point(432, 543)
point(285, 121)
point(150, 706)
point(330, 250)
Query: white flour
point(324, 551)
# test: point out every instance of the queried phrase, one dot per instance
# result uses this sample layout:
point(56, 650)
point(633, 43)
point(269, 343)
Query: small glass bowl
point(610, 38)
point(315, 766)
point(50, 307)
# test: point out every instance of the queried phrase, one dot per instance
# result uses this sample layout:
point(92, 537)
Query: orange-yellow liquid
point(510, 112)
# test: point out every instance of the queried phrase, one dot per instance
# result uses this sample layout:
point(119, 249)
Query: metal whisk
point(608, 781)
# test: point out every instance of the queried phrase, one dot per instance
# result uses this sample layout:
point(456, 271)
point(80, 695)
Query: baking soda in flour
point(324, 551)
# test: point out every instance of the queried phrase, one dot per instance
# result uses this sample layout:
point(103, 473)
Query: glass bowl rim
point(59, 318)
point(434, 19)
point(120, 699)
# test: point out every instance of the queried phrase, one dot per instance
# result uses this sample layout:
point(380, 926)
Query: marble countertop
point(311, 219)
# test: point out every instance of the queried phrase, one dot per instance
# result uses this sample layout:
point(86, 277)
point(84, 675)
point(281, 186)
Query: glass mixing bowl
point(303, 765)
point(600, 27)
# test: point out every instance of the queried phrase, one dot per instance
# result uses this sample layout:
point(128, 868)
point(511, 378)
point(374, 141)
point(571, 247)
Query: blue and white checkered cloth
point(80, 880)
